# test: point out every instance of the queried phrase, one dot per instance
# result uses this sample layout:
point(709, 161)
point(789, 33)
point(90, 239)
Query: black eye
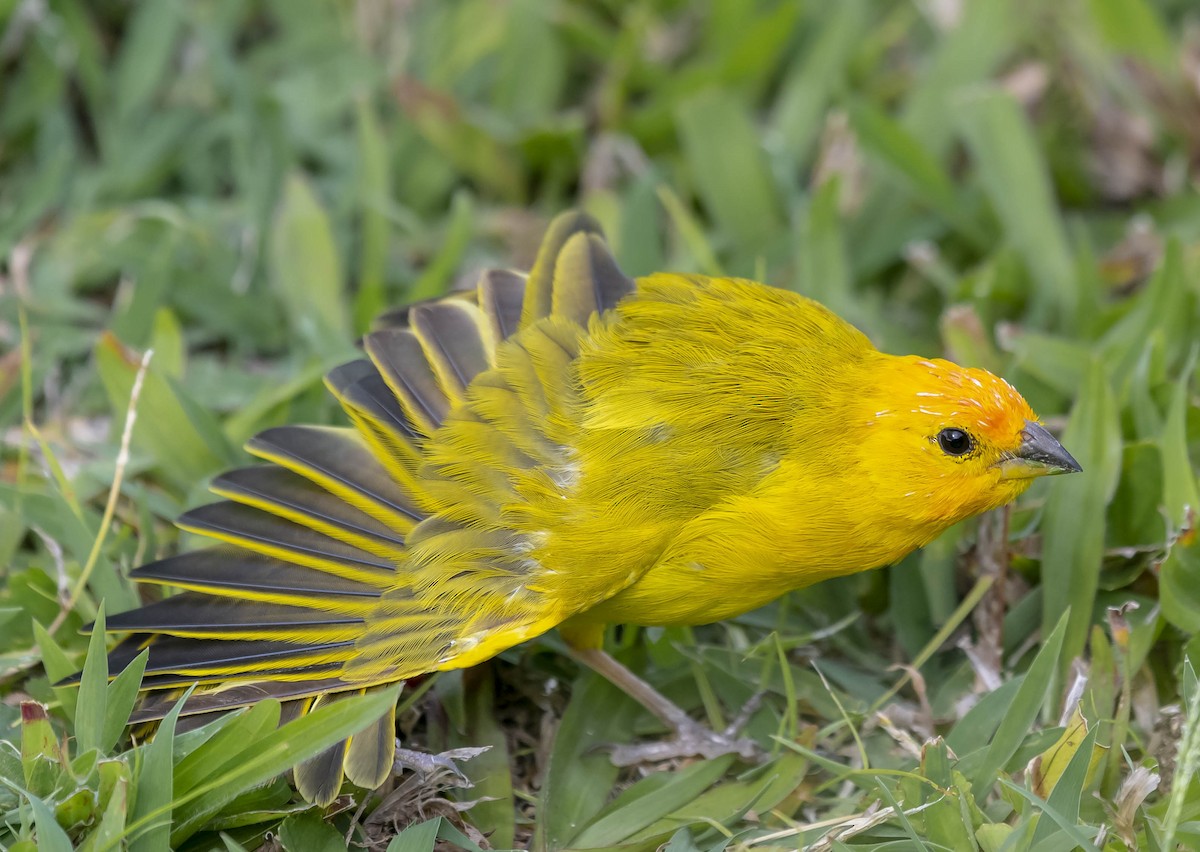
point(955, 442)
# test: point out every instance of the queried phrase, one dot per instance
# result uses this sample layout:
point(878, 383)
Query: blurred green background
point(242, 186)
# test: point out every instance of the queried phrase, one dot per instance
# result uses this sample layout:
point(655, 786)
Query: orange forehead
point(965, 397)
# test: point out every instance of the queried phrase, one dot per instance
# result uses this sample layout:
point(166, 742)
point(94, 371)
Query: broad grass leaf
point(701, 254)
point(1134, 27)
point(58, 666)
point(416, 838)
point(151, 819)
point(1059, 362)
point(146, 53)
point(107, 833)
point(737, 192)
point(1179, 578)
point(649, 801)
point(1064, 822)
point(905, 157)
point(307, 832)
point(275, 753)
point(821, 253)
point(638, 236)
point(435, 279)
point(1048, 767)
point(815, 76)
point(963, 57)
point(1067, 768)
point(306, 269)
point(490, 771)
point(531, 65)
point(92, 707)
point(1024, 710)
point(42, 756)
point(374, 196)
point(122, 695)
point(761, 790)
point(221, 749)
point(1159, 312)
point(471, 148)
point(1181, 491)
point(1014, 175)
point(578, 776)
point(50, 835)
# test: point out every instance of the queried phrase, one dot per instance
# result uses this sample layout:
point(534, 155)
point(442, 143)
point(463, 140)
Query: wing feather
point(457, 340)
point(539, 290)
point(501, 296)
point(271, 535)
point(586, 279)
point(291, 496)
point(401, 361)
point(341, 462)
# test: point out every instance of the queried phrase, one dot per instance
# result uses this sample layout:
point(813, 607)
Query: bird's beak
point(1040, 454)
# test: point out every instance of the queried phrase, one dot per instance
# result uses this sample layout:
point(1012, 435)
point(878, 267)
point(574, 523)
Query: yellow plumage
point(573, 449)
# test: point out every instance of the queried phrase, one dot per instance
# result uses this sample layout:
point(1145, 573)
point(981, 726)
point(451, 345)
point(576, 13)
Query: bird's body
point(572, 450)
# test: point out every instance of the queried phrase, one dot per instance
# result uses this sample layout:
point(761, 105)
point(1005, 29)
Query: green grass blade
point(737, 191)
point(1073, 527)
point(92, 707)
point(416, 838)
point(274, 754)
point(635, 809)
point(578, 777)
point(815, 76)
point(50, 835)
point(307, 269)
point(222, 749)
point(122, 695)
point(1023, 712)
point(1013, 173)
point(1068, 791)
point(1067, 825)
point(150, 822)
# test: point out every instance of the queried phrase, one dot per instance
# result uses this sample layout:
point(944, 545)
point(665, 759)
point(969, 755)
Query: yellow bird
point(570, 449)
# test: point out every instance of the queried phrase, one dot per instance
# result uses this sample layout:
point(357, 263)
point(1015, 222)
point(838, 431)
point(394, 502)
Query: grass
point(239, 187)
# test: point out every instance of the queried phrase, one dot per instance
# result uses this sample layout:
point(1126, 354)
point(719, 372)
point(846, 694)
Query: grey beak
point(1040, 454)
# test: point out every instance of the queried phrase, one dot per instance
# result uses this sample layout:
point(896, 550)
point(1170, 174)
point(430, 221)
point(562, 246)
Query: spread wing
point(403, 544)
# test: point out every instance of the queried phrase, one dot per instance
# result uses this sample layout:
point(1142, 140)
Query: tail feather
point(400, 317)
point(358, 383)
point(552, 346)
point(319, 779)
point(371, 752)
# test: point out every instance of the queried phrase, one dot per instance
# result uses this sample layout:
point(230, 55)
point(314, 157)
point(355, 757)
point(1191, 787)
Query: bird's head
point(945, 442)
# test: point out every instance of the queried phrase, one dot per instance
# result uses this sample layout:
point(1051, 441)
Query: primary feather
point(569, 449)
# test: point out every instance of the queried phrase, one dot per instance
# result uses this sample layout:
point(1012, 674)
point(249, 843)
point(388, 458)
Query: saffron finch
point(570, 449)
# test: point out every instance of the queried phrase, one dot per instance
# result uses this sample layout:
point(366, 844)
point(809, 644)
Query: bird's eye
point(955, 442)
